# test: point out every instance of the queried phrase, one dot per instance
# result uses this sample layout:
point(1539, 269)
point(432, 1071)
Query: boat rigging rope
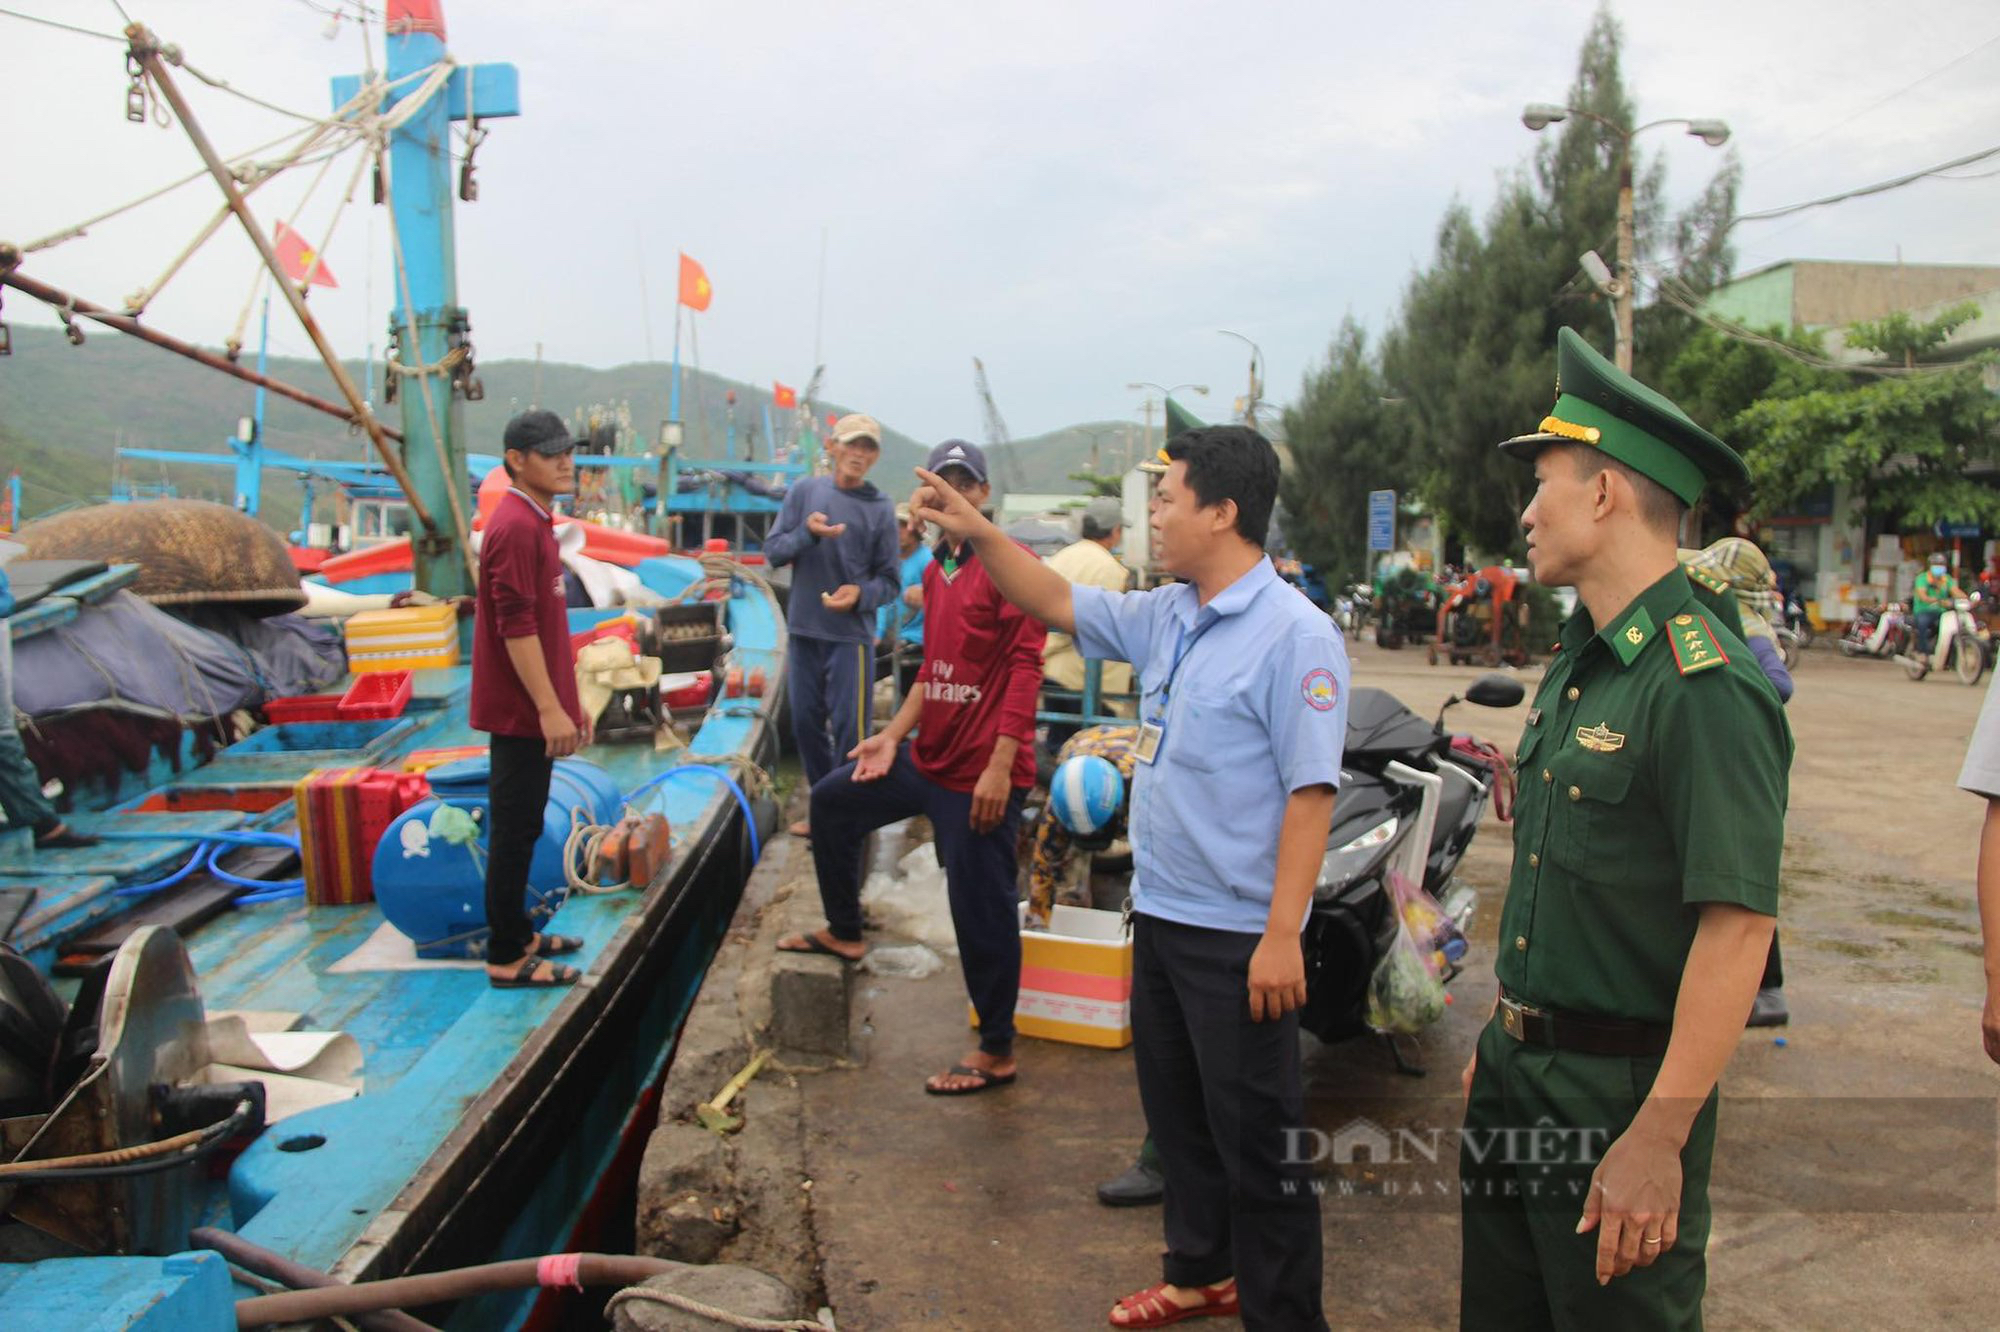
point(51, 23)
point(687, 1304)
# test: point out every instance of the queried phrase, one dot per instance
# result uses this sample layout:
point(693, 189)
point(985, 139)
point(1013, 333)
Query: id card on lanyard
point(1153, 730)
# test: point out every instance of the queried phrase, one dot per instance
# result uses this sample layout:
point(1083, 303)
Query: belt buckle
point(1512, 1011)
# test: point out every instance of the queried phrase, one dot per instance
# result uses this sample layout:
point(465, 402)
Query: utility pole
point(1621, 347)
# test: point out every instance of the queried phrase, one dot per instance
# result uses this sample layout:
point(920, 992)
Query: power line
point(1877, 188)
point(66, 27)
point(1880, 102)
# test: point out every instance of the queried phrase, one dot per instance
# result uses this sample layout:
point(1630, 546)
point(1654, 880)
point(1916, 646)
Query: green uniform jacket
point(1654, 778)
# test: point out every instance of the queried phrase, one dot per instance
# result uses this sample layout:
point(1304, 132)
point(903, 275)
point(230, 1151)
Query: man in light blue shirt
point(1243, 713)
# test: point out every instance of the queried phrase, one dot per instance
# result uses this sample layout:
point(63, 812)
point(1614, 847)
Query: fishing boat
point(325, 1085)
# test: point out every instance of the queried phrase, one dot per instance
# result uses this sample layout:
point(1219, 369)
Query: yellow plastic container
point(1076, 980)
point(408, 638)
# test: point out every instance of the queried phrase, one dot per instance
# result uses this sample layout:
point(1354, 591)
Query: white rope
point(257, 280)
point(686, 1304)
point(581, 848)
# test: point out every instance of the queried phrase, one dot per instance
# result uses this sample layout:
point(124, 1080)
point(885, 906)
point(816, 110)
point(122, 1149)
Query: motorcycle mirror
point(1495, 691)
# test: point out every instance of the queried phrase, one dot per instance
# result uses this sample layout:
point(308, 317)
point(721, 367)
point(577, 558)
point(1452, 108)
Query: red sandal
point(1151, 1307)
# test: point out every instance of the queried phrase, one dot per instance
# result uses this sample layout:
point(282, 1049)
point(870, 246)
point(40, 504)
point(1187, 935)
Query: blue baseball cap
point(958, 453)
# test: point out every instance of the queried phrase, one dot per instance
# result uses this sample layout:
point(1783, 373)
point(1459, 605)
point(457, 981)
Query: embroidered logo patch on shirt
point(1322, 691)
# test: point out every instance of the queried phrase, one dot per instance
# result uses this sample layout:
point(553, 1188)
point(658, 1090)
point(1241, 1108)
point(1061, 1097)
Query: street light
point(1539, 116)
point(1165, 393)
point(1256, 378)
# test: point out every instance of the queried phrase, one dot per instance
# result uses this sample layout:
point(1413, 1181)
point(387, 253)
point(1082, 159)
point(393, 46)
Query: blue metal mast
point(420, 201)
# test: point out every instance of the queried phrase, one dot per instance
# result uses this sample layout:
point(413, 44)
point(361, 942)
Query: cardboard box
point(1076, 980)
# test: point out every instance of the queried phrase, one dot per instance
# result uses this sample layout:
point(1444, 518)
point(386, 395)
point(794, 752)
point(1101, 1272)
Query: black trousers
point(517, 795)
point(1220, 1092)
point(979, 873)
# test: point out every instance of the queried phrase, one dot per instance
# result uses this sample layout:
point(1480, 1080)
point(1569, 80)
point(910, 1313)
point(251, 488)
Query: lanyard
point(1185, 646)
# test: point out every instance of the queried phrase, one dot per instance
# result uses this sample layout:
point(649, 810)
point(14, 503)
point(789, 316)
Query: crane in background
point(997, 438)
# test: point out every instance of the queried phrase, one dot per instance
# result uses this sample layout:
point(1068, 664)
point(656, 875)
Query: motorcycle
point(1797, 620)
point(1878, 631)
point(1958, 647)
point(1411, 798)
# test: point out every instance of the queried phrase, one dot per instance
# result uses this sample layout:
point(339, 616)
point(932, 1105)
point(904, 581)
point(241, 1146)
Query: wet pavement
point(1855, 1181)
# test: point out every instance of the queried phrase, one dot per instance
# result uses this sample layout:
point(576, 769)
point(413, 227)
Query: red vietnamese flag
point(831, 420)
point(299, 259)
point(783, 395)
point(695, 290)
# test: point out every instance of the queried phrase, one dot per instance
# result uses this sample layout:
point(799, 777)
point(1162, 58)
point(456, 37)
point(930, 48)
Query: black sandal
point(526, 976)
point(554, 945)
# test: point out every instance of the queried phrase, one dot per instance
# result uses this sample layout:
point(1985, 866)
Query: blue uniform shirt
point(887, 620)
point(1257, 710)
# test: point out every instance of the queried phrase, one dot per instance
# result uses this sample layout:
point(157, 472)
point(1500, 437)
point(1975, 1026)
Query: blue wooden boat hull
point(489, 1117)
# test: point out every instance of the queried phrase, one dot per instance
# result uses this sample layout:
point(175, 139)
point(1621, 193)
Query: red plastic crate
point(343, 813)
point(304, 708)
point(694, 695)
point(376, 696)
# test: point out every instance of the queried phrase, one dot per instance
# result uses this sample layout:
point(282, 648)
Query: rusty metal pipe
point(125, 323)
point(259, 1260)
point(146, 50)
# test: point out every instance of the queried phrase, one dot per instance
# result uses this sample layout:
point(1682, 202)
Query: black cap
point(538, 432)
point(958, 453)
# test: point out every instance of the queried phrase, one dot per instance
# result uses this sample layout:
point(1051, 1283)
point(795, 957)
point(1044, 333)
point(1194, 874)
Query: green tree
point(1903, 445)
point(1472, 354)
point(1346, 440)
point(1101, 485)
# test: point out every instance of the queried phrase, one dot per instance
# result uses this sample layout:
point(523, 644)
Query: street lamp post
point(1539, 116)
point(1165, 393)
point(1256, 394)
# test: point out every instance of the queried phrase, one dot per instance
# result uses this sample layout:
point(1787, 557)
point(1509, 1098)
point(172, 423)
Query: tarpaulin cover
point(131, 655)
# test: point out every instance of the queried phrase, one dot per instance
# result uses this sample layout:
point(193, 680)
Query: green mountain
point(64, 410)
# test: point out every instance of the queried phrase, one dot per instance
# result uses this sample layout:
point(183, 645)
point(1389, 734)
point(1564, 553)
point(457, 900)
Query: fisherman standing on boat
point(969, 770)
point(839, 534)
point(1245, 689)
point(524, 691)
point(21, 798)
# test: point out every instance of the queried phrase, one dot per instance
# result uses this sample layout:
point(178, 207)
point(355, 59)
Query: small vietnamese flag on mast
point(300, 261)
point(783, 395)
point(695, 289)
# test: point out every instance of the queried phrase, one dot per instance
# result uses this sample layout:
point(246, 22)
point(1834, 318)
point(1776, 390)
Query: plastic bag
point(1406, 993)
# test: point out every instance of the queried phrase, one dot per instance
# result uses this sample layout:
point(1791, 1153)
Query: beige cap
point(857, 425)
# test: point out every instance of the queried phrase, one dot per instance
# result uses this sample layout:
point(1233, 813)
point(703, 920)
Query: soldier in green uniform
point(1644, 891)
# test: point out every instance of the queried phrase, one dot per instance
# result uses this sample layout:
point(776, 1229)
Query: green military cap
point(1179, 421)
point(1600, 405)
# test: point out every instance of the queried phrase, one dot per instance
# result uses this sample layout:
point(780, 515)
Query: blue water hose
point(721, 775)
point(208, 851)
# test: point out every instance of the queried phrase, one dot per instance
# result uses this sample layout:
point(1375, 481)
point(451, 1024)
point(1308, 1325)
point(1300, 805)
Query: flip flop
point(987, 1081)
point(554, 945)
point(801, 829)
point(64, 839)
point(1151, 1307)
point(814, 944)
point(528, 977)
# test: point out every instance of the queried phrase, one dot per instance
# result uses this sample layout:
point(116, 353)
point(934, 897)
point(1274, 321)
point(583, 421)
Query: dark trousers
point(1523, 1267)
point(1220, 1092)
point(1927, 630)
point(979, 873)
point(828, 685)
point(1774, 967)
point(517, 795)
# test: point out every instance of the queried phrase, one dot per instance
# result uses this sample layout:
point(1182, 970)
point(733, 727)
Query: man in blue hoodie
point(839, 534)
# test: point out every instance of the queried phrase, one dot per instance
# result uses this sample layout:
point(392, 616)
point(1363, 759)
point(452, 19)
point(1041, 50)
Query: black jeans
point(1220, 1092)
point(517, 795)
point(979, 872)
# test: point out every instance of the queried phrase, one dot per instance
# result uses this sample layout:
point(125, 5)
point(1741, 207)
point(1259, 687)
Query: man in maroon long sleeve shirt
point(524, 691)
point(973, 710)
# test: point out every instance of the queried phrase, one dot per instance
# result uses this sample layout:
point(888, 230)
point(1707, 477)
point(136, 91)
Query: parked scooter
point(1797, 620)
point(1410, 802)
point(1958, 647)
point(1878, 631)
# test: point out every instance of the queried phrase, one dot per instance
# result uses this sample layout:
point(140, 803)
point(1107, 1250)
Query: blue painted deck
point(449, 1062)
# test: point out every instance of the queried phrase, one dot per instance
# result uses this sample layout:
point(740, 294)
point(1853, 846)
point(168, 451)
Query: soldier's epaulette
point(1695, 648)
point(1708, 580)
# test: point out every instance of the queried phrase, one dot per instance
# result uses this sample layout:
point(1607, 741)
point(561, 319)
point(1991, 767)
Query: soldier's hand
point(817, 524)
point(1634, 1203)
point(1277, 977)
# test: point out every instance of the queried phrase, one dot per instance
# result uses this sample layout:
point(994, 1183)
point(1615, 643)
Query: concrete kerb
point(744, 1198)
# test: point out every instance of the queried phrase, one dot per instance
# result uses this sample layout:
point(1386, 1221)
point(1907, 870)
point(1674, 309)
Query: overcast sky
point(1080, 193)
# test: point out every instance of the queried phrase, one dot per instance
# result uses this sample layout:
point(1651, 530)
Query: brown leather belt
point(1579, 1033)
